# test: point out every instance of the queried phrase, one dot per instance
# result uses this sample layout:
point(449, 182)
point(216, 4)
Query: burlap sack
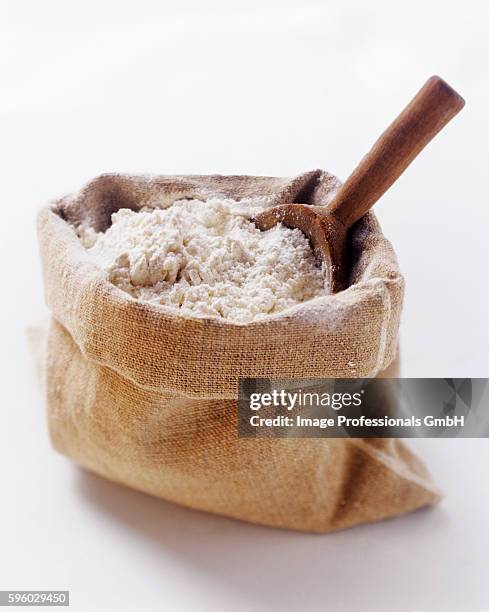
point(146, 398)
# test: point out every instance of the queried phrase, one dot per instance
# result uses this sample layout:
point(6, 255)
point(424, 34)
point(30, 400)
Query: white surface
point(265, 88)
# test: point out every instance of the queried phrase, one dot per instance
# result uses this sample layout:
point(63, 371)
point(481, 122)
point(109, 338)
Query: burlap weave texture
point(147, 397)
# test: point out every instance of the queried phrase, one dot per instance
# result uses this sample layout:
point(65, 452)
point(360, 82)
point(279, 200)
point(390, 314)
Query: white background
point(258, 88)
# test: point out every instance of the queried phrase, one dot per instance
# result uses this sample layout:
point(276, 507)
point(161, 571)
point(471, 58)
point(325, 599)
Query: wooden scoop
point(327, 227)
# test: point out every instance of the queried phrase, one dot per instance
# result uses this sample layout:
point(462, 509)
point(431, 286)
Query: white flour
point(207, 259)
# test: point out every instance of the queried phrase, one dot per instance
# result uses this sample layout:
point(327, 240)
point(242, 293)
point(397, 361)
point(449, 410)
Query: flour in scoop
point(207, 259)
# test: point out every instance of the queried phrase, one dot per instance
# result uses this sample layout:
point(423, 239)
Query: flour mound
point(207, 259)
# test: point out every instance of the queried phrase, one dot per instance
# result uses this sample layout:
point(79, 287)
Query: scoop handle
point(427, 113)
